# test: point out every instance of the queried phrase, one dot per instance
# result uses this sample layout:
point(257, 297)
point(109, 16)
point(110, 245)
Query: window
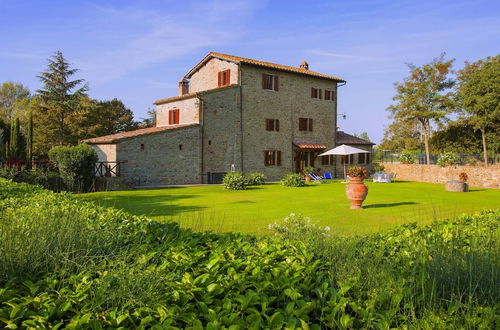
point(272, 157)
point(328, 160)
point(351, 159)
point(361, 158)
point(330, 95)
point(180, 146)
point(224, 78)
point(305, 124)
point(142, 146)
point(173, 116)
point(316, 93)
point(270, 82)
point(272, 125)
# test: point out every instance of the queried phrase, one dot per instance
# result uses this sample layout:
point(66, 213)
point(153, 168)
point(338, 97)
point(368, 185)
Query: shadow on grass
point(243, 202)
point(476, 190)
point(389, 205)
point(149, 205)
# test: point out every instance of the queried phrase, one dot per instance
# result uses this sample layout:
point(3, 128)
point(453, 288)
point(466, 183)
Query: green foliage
point(293, 180)
point(255, 179)
point(423, 96)
point(48, 179)
point(448, 158)
point(76, 165)
point(378, 168)
point(407, 157)
point(308, 170)
point(234, 181)
point(478, 96)
point(14, 100)
point(401, 135)
point(78, 265)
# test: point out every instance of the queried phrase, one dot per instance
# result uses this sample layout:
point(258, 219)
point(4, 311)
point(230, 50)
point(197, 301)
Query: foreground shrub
point(293, 180)
point(256, 179)
point(297, 226)
point(447, 159)
point(407, 157)
point(76, 165)
point(234, 181)
point(48, 179)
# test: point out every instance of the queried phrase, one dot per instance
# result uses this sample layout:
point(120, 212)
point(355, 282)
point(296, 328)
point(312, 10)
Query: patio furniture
point(315, 178)
point(381, 177)
point(328, 176)
point(344, 150)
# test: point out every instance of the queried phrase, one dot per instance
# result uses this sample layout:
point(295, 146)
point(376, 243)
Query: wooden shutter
point(278, 158)
point(310, 125)
point(264, 81)
point(312, 92)
point(170, 117)
point(176, 116)
point(219, 79)
point(276, 83)
point(277, 125)
point(320, 92)
point(301, 124)
point(269, 125)
point(228, 77)
point(266, 158)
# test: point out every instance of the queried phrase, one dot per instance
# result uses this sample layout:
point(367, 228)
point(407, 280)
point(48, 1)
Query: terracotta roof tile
point(344, 138)
point(190, 95)
point(109, 139)
point(281, 67)
point(309, 145)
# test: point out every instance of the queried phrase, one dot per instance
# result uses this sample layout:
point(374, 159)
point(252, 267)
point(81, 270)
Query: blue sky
point(136, 51)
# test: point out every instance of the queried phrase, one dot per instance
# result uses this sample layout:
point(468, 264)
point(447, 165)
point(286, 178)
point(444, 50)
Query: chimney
point(183, 87)
point(304, 65)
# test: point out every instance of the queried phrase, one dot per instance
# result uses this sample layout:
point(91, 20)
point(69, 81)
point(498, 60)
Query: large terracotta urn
point(356, 192)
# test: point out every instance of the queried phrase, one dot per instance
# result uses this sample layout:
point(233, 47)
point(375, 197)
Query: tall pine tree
point(59, 97)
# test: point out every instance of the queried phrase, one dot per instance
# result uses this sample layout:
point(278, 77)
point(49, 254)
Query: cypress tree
point(29, 142)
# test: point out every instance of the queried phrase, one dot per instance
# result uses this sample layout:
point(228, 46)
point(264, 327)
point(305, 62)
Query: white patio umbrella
point(344, 150)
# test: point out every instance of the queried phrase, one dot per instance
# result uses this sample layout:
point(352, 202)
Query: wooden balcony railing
point(107, 169)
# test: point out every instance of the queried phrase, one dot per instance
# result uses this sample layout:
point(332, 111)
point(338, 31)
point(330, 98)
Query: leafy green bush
point(378, 168)
point(448, 158)
point(293, 180)
point(299, 227)
point(234, 181)
point(256, 179)
point(309, 170)
point(76, 165)
point(407, 157)
point(48, 179)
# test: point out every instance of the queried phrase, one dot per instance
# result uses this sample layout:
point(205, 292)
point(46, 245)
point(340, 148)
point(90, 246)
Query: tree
point(422, 96)
point(150, 121)
point(58, 99)
point(14, 100)
point(478, 94)
point(401, 135)
point(459, 137)
point(29, 139)
point(363, 136)
point(14, 146)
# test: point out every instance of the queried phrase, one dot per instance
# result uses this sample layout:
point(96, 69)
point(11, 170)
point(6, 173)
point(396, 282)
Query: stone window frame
point(270, 82)
point(174, 116)
point(305, 124)
point(272, 157)
point(329, 95)
point(328, 160)
point(224, 78)
point(316, 93)
point(272, 125)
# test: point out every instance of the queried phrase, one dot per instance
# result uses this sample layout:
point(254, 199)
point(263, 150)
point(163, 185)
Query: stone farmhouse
point(234, 113)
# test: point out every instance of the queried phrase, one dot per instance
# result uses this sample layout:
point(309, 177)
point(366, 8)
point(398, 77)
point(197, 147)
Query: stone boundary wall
point(479, 176)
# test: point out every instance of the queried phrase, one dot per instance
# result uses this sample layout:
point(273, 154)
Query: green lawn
point(212, 207)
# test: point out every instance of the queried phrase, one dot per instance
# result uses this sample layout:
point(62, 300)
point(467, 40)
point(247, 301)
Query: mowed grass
point(213, 208)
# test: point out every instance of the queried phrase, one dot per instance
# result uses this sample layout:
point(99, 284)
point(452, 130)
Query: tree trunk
point(485, 152)
point(426, 143)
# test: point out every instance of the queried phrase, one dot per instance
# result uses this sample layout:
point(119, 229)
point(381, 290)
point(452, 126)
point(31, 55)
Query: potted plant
point(356, 190)
point(308, 170)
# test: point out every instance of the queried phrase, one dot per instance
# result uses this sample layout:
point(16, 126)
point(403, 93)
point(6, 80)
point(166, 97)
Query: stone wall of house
point(221, 130)
point(479, 176)
point(167, 157)
point(207, 76)
point(292, 101)
point(105, 152)
point(188, 111)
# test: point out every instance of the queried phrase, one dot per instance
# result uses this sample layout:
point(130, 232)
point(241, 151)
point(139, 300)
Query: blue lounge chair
point(328, 176)
point(315, 178)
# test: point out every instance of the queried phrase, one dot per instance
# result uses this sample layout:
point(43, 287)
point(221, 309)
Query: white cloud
point(164, 37)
